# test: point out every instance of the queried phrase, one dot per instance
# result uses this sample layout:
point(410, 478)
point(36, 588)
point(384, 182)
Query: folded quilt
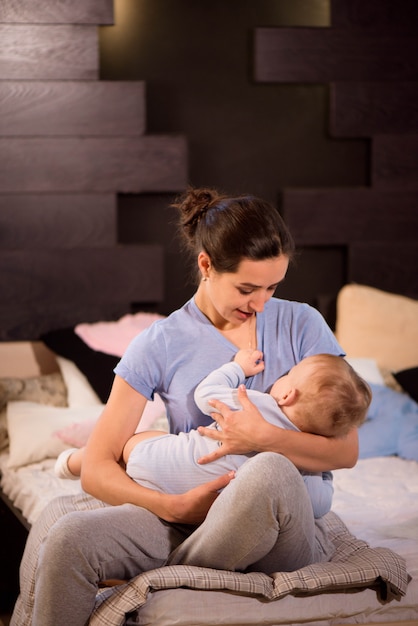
point(354, 565)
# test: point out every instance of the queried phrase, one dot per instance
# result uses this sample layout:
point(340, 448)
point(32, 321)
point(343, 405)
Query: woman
point(263, 519)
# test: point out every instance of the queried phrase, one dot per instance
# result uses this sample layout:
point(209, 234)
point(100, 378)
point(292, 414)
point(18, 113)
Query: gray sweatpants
point(263, 521)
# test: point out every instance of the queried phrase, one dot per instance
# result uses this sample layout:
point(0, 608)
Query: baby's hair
point(230, 229)
point(337, 398)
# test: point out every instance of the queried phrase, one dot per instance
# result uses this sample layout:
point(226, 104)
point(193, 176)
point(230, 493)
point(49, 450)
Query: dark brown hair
point(230, 229)
point(337, 398)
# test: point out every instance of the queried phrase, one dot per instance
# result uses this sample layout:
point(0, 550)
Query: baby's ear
point(288, 398)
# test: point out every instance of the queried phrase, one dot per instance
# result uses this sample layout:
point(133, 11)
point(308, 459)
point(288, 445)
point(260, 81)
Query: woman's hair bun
point(194, 204)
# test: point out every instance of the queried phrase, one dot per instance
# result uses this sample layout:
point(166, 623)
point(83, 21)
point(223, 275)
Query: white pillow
point(31, 428)
point(153, 418)
point(79, 391)
point(367, 369)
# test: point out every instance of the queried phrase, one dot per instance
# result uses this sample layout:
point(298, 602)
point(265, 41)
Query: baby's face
point(297, 378)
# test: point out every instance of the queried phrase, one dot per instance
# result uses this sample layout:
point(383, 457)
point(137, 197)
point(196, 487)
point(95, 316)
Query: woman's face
point(234, 297)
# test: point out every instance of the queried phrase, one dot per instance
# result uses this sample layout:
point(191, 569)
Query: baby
point(322, 395)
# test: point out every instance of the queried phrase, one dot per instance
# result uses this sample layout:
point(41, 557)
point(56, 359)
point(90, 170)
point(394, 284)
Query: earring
point(205, 278)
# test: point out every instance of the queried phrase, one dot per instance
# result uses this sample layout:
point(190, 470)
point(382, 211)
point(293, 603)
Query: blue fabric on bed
point(391, 426)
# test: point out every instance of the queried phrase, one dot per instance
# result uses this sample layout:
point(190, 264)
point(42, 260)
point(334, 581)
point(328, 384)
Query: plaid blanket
point(354, 565)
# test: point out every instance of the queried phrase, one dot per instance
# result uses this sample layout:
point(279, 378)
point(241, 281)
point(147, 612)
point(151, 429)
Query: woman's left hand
point(237, 428)
point(192, 507)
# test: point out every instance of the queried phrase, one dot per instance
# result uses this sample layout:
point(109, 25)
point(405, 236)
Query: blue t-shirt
point(176, 353)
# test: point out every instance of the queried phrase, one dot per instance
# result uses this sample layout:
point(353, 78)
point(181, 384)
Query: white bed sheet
point(32, 487)
point(377, 500)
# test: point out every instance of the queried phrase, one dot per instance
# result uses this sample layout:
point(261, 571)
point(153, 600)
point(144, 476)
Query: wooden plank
point(53, 12)
point(92, 164)
point(375, 14)
point(48, 52)
point(388, 266)
point(339, 216)
point(47, 289)
point(367, 109)
point(94, 108)
point(320, 55)
point(57, 221)
point(395, 162)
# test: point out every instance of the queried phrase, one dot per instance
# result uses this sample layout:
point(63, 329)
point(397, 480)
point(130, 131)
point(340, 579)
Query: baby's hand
point(250, 360)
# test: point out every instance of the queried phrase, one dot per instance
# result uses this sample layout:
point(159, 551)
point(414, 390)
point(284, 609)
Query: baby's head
point(322, 394)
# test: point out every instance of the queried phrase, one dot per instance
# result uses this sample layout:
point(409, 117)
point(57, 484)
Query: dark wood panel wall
point(72, 108)
point(368, 57)
point(69, 143)
point(62, 12)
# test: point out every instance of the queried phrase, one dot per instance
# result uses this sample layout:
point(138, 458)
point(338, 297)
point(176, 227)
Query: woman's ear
point(204, 264)
point(288, 398)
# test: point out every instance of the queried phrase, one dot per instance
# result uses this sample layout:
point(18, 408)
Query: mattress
point(378, 502)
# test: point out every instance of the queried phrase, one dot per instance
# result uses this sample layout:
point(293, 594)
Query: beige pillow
point(378, 325)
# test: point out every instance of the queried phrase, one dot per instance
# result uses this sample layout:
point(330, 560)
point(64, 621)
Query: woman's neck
point(242, 335)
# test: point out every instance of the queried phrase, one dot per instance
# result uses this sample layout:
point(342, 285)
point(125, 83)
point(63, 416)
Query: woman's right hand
point(192, 506)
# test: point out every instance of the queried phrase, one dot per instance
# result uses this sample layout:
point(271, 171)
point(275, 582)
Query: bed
point(53, 390)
